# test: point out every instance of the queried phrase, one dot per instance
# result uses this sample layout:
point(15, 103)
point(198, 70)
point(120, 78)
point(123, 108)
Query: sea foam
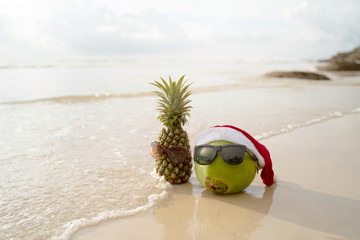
point(73, 226)
point(291, 127)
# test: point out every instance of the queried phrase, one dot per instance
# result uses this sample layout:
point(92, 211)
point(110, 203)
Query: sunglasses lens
point(204, 155)
point(156, 149)
point(233, 154)
point(176, 154)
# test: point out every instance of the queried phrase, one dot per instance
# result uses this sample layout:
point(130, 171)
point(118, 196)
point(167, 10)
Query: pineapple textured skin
point(174, 173)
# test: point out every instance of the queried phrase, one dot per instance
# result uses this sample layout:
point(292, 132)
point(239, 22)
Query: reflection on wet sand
point(192, 212)
point(238, 215)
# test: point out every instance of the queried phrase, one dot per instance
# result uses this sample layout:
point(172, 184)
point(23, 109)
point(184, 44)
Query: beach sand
point(317, 196)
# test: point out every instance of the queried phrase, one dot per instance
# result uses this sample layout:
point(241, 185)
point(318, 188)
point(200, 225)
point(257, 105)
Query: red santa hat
point(236, 135)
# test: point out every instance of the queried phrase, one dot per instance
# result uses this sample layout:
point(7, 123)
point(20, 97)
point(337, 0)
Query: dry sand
point(317, 196)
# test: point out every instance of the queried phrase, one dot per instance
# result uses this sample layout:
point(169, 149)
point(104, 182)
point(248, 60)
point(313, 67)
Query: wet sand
point(317, 196)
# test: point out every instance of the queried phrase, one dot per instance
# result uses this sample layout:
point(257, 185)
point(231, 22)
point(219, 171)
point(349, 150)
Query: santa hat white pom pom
point(235, 135)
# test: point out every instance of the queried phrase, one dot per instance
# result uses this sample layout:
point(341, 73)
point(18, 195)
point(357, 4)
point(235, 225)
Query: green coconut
point(222, 178)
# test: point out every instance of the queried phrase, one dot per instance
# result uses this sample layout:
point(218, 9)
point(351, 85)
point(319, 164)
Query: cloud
point(336, 19)
point(277, 29)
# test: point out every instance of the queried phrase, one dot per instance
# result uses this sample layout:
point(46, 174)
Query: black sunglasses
point(232, 154)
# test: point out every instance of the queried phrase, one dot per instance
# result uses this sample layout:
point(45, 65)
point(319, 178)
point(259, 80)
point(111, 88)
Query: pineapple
point(173, 108)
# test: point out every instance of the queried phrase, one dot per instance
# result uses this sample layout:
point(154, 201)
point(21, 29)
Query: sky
point(256, 29)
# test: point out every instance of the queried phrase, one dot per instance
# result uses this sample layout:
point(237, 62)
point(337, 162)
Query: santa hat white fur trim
point(230, 135)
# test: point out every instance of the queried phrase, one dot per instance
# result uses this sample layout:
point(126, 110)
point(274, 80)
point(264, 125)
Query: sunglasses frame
point(167, 151)
point(219, 149)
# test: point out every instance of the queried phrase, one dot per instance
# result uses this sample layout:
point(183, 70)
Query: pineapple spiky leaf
point(173, 103)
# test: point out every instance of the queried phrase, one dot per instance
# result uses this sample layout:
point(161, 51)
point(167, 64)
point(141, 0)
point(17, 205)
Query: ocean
point(75, 133)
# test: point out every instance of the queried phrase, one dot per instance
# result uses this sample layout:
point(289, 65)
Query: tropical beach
point(82, 150)
point(80, 164)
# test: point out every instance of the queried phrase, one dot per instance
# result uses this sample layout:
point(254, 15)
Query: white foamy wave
point(163, 184)
point(291, 127)
point(336, 114)
point(153, 199)
point(356, 110)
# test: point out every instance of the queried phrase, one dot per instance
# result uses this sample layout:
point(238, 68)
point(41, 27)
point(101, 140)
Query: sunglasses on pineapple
point(232, 154)
point(176, 155)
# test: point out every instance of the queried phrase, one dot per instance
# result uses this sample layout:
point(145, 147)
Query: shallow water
point(74, 135)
